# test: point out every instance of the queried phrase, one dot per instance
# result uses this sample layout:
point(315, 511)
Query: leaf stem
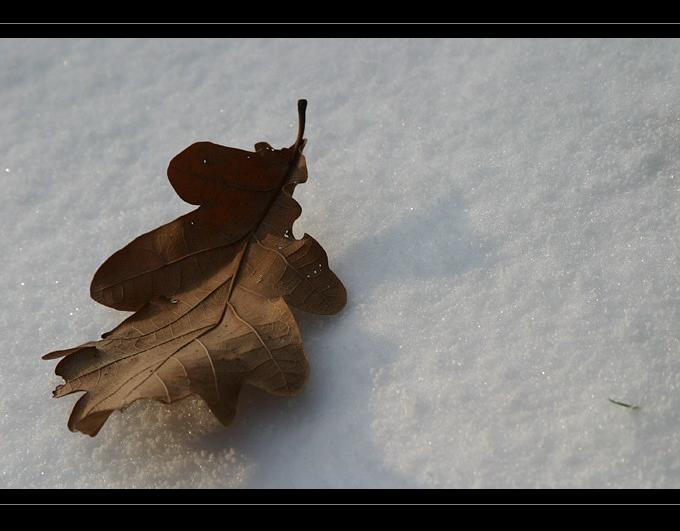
point(302, 107)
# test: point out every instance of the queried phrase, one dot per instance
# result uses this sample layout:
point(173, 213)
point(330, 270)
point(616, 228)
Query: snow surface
point(504, 214)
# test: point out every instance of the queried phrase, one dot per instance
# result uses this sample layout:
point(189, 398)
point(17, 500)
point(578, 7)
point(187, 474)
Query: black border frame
point(271, 24)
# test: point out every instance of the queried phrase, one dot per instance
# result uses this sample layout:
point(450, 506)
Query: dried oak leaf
point(210, 290)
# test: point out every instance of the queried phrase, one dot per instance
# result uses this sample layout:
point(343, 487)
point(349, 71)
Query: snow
point(503, 213)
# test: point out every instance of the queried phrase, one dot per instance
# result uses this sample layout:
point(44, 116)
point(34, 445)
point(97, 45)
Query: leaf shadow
point(431, 242)
point(327, 430)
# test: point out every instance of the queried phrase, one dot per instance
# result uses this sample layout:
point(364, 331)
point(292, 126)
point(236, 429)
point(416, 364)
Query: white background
point(504, 215)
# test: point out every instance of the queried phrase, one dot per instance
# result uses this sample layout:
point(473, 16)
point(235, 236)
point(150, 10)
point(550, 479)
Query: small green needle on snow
point(623, 404)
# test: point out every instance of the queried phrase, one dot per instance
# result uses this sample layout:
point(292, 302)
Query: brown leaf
point(211, 291)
